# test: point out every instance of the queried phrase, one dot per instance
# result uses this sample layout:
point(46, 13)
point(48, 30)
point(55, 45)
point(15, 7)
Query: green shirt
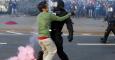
point(44, 20)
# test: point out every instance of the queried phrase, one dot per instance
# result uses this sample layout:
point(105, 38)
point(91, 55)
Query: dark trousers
point(58, 40)
point(111, 27)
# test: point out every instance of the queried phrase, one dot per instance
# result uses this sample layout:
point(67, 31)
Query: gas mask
point(110, 9)
point(52, 4)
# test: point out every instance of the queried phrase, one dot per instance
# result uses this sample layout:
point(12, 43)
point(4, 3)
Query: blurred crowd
point(89, 8)
point(81, 8)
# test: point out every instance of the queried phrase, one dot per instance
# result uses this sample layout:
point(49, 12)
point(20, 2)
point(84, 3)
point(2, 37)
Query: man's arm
point(57, 18)
point(69, 25)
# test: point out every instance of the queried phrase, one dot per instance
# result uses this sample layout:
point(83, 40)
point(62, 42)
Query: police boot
point(40, 55)
point(103, 40)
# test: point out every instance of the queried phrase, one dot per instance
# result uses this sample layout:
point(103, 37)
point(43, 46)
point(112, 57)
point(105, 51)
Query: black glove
point(70, 38)
point(72, 13)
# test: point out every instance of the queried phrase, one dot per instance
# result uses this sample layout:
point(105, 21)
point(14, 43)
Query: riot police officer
point(110, 18)
point(56, 30)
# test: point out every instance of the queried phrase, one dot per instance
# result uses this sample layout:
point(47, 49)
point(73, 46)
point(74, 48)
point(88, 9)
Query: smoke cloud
point(24, 53)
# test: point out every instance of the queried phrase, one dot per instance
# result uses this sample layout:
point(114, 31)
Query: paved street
point(11, 42)
point(27, 24)
point(24, 24)
point(86, 44)
point(21, 30)
point(77, 50)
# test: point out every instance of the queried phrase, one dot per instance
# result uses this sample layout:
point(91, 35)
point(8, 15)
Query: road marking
point(3, 43)
point(14, 32)
point(34, 33)
point(86, 34)
point(65, 34)
point(96, 44)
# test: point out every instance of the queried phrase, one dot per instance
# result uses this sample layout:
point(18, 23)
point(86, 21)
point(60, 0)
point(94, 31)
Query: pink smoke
point(25, 53)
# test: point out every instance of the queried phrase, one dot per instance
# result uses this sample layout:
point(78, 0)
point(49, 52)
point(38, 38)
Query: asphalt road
point(82, 48)
point(27, 24)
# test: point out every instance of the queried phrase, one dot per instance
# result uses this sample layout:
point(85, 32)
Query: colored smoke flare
point(25, 53)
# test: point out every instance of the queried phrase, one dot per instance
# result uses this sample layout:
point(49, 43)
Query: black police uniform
point(110, 18)
point(56, 32)
point(56, 28)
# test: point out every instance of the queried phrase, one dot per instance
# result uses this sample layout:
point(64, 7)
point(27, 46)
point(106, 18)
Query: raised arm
point(57, 18)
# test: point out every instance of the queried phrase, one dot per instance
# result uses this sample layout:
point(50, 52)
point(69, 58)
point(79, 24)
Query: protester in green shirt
point(44, 20)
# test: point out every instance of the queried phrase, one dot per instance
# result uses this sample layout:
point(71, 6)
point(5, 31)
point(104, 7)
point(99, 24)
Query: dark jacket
point(110, 18)
point(57, 26)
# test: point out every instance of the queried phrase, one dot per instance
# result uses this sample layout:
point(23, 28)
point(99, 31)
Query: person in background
point(13, 8)
point(110, 18)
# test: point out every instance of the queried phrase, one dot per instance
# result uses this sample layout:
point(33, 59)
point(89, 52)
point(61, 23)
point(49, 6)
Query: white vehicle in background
point(3, 8)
